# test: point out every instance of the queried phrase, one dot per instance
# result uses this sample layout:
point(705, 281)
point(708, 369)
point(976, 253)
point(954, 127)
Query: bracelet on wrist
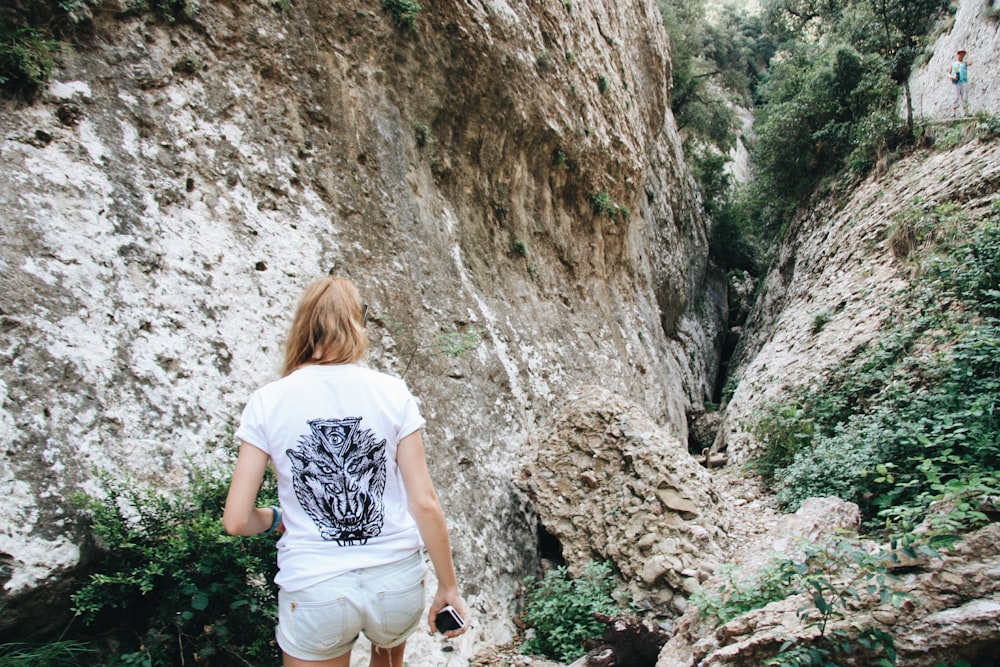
point(277, 520)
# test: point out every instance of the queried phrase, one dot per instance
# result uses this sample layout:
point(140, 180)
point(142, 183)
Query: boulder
point(611, 485)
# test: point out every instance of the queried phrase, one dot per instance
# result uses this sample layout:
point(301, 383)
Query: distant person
point(959, 75)
point(357, 504)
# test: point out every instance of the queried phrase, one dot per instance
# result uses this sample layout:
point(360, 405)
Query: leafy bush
point(404, 12)
point(605, 205)
point(172, 587)
point(26, 57)
point(912, 419)
point(833, 574)
point(987, 125)
point(561, 610)
point(457, 343)
point(32, 32)
point(172, 11)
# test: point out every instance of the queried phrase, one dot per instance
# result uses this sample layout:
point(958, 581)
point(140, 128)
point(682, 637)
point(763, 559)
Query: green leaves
point(739, 594)
point(913, 418)
point(404, 12)
point(604, 204)
point(561, 610)
point(170, 579)
point(26, 57)
point(833, 574)
point(54, 654)
point(32, 33)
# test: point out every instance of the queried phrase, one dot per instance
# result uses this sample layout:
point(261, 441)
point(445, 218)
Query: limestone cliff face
point(169, 196)
point(974, 30)
point(836, 264)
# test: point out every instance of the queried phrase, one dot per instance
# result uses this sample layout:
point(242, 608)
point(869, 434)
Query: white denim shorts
point(323, 622)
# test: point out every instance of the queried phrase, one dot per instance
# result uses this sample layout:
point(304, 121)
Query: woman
point(357, 502)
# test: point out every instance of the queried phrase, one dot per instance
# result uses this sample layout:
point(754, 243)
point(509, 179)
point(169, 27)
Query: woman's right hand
point(442, 599)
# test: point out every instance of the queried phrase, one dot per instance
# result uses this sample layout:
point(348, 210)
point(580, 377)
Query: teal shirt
point(960, 70)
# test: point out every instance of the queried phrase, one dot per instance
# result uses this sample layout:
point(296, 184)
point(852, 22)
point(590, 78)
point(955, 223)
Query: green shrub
point(561, 610)
point(404, 12)
point(172, 11)
point(605, 205)
point(26, 57)
point(32, 32)
point(424, 137)
point(913, 418)
point(833, 574)
point(872, 137)
point(457, 343)
point(987, 124)
point(172, 587)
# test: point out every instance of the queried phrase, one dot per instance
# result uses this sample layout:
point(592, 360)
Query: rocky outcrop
point(171, 192)
point(948, 610)
point(824, 296)
point(611, 485)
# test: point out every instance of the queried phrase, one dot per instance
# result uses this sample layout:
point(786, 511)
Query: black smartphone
point(448, 619)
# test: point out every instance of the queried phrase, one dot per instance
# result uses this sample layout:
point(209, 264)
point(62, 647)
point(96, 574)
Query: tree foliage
point(828, 101)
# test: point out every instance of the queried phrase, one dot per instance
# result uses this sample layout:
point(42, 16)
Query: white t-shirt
point(331, 432)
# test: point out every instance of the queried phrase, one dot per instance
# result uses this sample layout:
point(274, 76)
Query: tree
point(904, 24)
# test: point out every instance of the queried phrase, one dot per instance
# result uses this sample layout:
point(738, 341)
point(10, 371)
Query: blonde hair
point(327, 328)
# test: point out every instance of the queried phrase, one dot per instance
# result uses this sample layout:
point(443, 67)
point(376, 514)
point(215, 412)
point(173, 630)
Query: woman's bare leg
point(342, 661)
point(388, 657)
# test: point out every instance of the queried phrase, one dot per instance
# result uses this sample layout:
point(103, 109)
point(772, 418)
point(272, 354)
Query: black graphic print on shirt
point(338, 473)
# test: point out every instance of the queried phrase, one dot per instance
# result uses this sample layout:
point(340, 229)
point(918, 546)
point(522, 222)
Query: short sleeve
point(251, 429)
point(411, 420)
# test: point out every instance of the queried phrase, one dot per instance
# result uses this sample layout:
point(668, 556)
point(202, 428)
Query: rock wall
point(836, 264)
point(948, 611)
point(974, 30)
point(169, 195)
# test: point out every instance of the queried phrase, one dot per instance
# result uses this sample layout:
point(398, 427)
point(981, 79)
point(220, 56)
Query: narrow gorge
point(506, 184)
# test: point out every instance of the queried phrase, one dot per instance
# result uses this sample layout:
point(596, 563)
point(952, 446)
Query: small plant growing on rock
point(820, 320)
point(604, 205)
point(457, 343)
point(833, 575)
point(739, 594)
point(26, 57)
point(404, 12)
point(561, 609)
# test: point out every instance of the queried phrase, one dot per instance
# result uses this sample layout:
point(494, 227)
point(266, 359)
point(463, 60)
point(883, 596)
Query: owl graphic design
point(338, 473)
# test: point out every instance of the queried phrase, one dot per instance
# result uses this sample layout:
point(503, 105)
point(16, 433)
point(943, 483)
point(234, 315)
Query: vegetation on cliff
point(824, 82)
point(914, 418)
